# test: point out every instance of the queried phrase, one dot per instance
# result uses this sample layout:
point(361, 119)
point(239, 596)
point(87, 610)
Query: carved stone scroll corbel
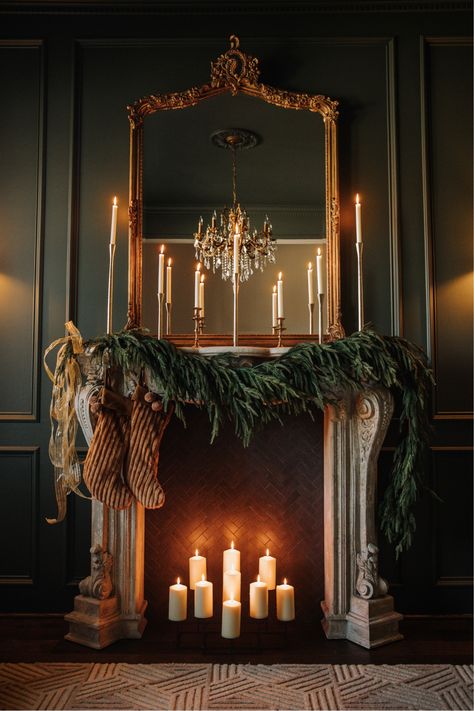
point(99, 583)
point(369, 584)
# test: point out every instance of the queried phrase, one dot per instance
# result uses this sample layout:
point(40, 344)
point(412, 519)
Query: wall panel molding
point(32, 454)
point(431, 296)
point(32, 414)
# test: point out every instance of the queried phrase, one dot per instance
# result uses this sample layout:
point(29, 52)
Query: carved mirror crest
point(235, 77)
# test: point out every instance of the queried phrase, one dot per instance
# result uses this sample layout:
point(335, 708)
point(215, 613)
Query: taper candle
point(231, 612)
point(280, 310)
point(161, 270)
point(201, 296)
point(197, 568)
point(274, 307)
point(113, 224)
point(231, 584)
point(169, 269)
point(267, 570)
point(358, 219)
point(197, 281)
point(203, 594)
point(310, 284)
point(285, 602)
point(258, 599)
point(178, 598)
point(231, 558)
point(319, 271)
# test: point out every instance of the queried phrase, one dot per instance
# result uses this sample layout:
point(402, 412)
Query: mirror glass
point(185, 176)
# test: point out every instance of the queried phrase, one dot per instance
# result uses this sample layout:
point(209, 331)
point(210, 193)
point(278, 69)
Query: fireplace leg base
point(99, 623)
point(369, 623)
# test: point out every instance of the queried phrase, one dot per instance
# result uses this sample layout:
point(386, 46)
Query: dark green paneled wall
point(404, 83)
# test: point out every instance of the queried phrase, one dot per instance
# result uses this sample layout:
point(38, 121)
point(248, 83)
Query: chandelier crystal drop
point(228, 243)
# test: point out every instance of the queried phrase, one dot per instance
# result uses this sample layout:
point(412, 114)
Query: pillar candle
point(203, 594)
point(178, 599)
point(113, 224)
point(231, 558)
point(319, 268)
point(231, 585)
point(231, 610)
point(274, 307)
point(358, 219)
point(197, 568)
point(201, 296)
point(285, 601)
point(258, 599)
point(267, 570)
point(197, 281)
point(161, 270)
point(168, 281)
point(310, 284)
point(281, 312)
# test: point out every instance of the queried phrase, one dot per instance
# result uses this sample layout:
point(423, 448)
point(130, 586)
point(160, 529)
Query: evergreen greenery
point(309, 376)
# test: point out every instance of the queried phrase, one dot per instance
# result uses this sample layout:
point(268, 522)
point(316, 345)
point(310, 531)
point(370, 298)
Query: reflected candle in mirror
point(258, 599)
point(285, 602)
point(281, 312)
point(358, 220)
point(310, 284)
point(319, 271)
point(267, 570)
point(161, 270)
point(201, 296)
point(168, 281)
point(231, 558)
point(197, 568)
point(197, 281)
point(113, 224)
point(178, 598)
point(231, 612)
point(231, 585)
point(203, 598)
point(274, 307)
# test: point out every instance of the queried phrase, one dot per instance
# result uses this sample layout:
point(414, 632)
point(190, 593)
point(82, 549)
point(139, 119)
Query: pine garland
point(308, 377)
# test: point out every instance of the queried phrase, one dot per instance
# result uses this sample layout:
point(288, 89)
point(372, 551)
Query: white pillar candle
point(197, 568)
point(203, 594)
point(285, 601)
point(274, 307)
point(236, 250)
point(310, 284)
point(231, 585)
point(197, 281)
point(113, 224)
point(231, 558)
point(281, 312)
point(319, 271)
point(161, 270)
point(231, 610)
point(169, 269)
point(201, 296)
point(258, 599)
point(267, 570)
point(358, 219)
point(178, 598)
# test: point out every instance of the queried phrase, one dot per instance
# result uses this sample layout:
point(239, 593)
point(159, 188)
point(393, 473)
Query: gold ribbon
point(62, 442)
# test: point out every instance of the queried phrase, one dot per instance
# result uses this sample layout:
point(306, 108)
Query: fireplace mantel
point(111, 604)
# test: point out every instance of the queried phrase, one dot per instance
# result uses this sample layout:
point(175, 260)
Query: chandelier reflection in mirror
point(228, 242)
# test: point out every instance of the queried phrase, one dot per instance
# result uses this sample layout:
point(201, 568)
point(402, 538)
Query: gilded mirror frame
point(234, 72)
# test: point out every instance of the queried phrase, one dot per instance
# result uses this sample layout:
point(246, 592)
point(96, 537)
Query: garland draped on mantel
point(308, 377)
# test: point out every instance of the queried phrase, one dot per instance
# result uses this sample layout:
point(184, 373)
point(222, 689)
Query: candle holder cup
point(198, 325)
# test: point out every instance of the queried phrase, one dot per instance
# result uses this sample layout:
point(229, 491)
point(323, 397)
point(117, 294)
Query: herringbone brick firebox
point(267, 495)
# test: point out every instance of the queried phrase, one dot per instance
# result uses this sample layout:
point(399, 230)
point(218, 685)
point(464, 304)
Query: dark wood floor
point(426, 641)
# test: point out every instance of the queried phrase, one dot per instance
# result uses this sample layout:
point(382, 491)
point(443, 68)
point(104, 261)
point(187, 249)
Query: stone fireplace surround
point(356, 607)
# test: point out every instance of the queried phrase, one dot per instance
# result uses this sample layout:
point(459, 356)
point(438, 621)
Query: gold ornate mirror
point(304, 212)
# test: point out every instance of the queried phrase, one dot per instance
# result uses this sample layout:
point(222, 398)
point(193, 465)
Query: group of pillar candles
point(231, 593)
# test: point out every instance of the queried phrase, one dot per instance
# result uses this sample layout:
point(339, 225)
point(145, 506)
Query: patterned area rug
point(235, 686)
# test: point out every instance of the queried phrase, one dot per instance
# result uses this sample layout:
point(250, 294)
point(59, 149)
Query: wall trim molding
point(33, 415)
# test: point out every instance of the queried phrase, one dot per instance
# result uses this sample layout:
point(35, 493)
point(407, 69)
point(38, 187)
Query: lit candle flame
point(203, 577)
point(170, 262)
point(178, 580)
point(357, 199)
point(162, 249)
point(268, 551)
point(274, 289)
point(280, 276)
point(115, 200)
point(232, 545)
point(319, 251)
point(258, 578)
point(198, 267)
point(202, 278)
point(197, 553)
point(310, 266)
point(284, 581)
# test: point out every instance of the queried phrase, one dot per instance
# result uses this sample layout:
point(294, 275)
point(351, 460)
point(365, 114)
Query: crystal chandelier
point(228, 243)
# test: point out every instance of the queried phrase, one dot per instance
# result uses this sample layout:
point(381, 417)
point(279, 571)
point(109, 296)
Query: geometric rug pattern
point(235, 686)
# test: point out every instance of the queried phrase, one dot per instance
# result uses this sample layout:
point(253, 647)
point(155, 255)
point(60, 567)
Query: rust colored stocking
point(147, 428)
point(103, 465)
